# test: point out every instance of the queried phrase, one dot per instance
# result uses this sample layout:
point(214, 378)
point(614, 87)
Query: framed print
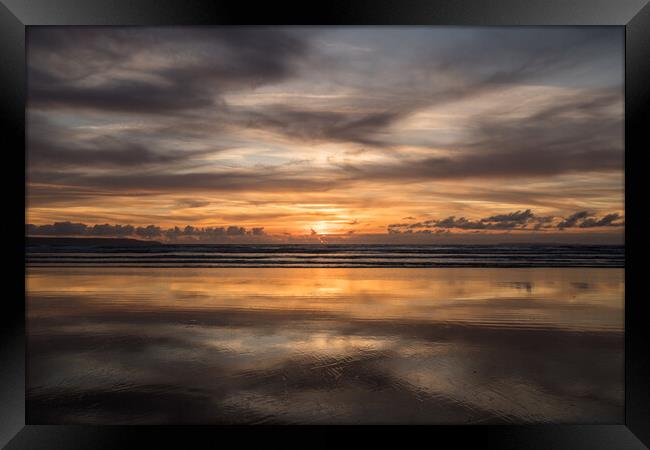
point(398, 220)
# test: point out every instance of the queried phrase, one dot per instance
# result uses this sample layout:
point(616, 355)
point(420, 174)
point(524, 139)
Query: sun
point(321, 228)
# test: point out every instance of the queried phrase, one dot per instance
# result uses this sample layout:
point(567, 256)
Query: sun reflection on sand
point(325, 345)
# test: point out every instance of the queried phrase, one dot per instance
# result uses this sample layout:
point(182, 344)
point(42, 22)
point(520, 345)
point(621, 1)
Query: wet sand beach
point(241, 345)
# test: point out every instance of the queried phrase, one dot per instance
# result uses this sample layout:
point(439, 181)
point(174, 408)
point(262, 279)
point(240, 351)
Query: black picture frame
point(633, 15)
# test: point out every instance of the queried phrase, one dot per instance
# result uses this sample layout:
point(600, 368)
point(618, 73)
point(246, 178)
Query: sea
point(322, 255)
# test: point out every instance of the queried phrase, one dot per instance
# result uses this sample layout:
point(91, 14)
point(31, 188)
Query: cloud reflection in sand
point(325, 345)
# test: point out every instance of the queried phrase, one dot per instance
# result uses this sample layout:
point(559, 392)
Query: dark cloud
point(480, 63)
point(173, 233)
point(166, 70)
point(518, 220)
point(543, 222)
point(210, 232)
point(147, 232)
point(124, 96)
point(110, 230)
point(52, 146)
point(99, 152)
point(257, 231)
point(576, 135)
point(235, 231)
point(569, 136)
point(187, 68)
point(462, 223)
point(219, 60)
point(57, 229)
point(586, 219)
point(358, 127)
point(606, 221)
point(516, 217)
point(233, 180)
point(573, 219)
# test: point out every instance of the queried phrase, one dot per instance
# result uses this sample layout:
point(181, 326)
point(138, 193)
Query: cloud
point(572, 135)
point(235, 231)
point(586, 219)
point(257, 231)
point(573, 219)
point(517, 220)
point(192, 203)
point(121, 120)
point(78, 67)
point(51, 146)
point(606, 221)
point(153, 71)
point(110, 230)
point(173, 234)
point(210, 232)
point(99, 152)
point(461, 223)
point(149, 231)
point(57, 229)
point(543, 222)
point(452, 69)
point(162, 71)
point(513, 217)
point(233, 180)
point(359, 127)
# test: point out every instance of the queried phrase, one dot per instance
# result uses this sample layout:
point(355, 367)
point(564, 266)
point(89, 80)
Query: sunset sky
point(336, 134)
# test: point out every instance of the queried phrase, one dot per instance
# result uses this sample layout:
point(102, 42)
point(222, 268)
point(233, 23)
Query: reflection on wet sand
point(229, 345)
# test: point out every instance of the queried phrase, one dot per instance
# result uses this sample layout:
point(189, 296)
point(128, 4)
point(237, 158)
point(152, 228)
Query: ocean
point(319, 255)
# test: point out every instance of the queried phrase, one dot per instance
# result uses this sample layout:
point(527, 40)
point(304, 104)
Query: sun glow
point(321, 228)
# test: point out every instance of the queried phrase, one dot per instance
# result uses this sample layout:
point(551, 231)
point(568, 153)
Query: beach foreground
point(160, 345)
